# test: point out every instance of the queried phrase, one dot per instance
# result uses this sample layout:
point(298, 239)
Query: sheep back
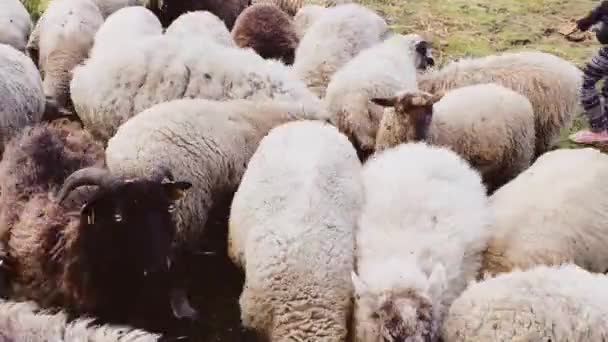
point(21, 95)
point(15, 24)
point(64, 35)
point(549, 82)
point(108, 7)
point(334, 39)
point(125, 27)
point(207, 141)
point(201, 24)
point(554, 212)
point(378, 71)
point(110, 88)
point(227, 10)
point(491, 126)
point(305, 17)
point(563, 303)
point(294, 215)
point(267, 30)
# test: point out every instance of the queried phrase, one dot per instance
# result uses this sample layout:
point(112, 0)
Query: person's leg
point(594, 71)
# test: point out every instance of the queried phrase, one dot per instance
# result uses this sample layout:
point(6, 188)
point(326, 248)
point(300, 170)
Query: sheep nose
point(430, 61)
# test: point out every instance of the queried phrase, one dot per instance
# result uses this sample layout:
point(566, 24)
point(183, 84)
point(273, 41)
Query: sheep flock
point(287, 170)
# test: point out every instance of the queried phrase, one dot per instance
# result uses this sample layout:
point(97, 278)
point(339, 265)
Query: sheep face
point(133, 219)
point(398, 314)
point(413, 107)
point(424, 55)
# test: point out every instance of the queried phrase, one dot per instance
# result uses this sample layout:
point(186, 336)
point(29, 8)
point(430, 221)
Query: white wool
point(15, 24)
point(201, 24)
point(558, 304)
point(554, 212)
point(110, 88)
point(426, 208)
point(334, 39)
point(294, 217)
point(125, 27)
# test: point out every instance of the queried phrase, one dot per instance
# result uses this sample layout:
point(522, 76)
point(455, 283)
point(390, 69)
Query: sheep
point(549, 82)
point(110, 88)
point(490, 126)
point(25, 321)
point(221, 136)
point(554, 212)
point(61, 40)
point(267, 30)
point(15, 24)
point(292, 222)
point(420, 236)
point(21, 95)
point(291, 7)
point(334, 39)
point(562, 303)
point(109, 7)
point(202, 24)
point(378, 71)
point(124, 27)
point(305, 17)
point(227, 10)
point(103, 250)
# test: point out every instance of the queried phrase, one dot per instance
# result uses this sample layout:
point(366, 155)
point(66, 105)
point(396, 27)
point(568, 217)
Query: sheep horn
point(87, 176)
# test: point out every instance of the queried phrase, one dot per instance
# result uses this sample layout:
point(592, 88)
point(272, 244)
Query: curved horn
point(87, 176)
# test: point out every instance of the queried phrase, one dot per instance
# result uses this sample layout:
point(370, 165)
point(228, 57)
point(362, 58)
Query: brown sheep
point(268, 30)
point(101, 250)
point(169, 10)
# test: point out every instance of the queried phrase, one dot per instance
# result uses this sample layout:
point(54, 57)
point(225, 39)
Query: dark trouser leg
point(590, 98)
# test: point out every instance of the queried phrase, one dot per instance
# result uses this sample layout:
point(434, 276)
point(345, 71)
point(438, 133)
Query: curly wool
point(125, 27)
point(558, 304)
point(21, 95)
point(333, 40)
point(61, 40)
point(549, 82)
point(379, 71)
point(110, 88)
point(24, 321)
point(555, 212)
point(291, 7)
point(201, 24)
point(15, 24)
point(305, 17)
point(210, 142)
point(425, 211)
point(268, 31)
point(169, 10)
point(294, 217)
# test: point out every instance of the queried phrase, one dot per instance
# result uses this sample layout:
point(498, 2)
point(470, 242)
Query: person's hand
point(584, 24)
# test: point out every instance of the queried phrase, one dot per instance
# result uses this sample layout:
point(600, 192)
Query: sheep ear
point(176, 190)
point(385, 101)
point(359, 285)
point(437, 281)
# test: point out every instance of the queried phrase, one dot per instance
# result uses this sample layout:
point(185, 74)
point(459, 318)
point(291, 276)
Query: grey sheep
point(22, 101)
point(15, 24)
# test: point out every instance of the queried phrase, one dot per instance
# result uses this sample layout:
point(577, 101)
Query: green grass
point(35, 7)
point(474, 28)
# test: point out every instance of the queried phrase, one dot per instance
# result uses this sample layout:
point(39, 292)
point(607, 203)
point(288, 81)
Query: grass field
point(460, 28)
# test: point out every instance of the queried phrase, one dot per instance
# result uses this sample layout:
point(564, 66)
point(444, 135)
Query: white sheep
point(378, 71)
point(25, 321)
point(292, 228)
point(291, 7)
point(304, 18)
point(549, 82)
point(15, 24)
point(554, 212)
point(108, 7)
point(22, 101)
point(490, 126)
point(334, 39)
point(125, 27)
point(61, 40)
point(558, 304)
point(110, 87)
point(420, 237)
point(202, 24)
point(210, 141)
